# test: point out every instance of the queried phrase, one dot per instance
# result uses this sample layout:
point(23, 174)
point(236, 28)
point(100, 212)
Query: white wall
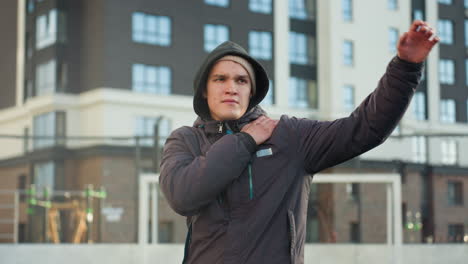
point(173, 253)
point(369, 33)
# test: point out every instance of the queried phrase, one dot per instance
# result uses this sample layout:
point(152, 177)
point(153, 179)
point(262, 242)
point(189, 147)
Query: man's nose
point(231, 87)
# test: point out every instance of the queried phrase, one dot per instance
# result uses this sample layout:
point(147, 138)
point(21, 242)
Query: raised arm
point(325, 144)
point(191, 182)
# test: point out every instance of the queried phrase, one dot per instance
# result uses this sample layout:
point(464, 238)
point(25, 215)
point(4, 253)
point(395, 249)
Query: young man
point(243, 179)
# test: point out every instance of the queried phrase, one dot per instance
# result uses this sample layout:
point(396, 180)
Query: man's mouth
point(230, 101)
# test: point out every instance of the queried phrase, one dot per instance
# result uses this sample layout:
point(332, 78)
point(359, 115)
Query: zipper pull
point(220, 127)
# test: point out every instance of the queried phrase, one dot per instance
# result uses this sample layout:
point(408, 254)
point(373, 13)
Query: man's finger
point(272, 122)
point(416, 24)
point(263, 120)
point(431, 34)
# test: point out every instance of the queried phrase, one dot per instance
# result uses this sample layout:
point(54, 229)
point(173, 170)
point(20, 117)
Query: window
point(456, 233)
point(44, 176)
point(60, 128)
point(455, 192)
point(447, 111)
point(354, 232)
point(446, 71)
point(449, 152)
point(392, 4)
point(22, 180)
point(347, 9)
point(348, 98)
point(30, 6)
point(302, 93)
point(466, 72)
point(151, 29)
point(445, 29)
point(151, 79)
point(466, 33)
point(220, 3)
point(348, 50)
point(215, 35)
point(466, 3)
point(62, 80)
point(301, 49)
point(145, 128)
point(302, 9)
point(418, 14)
point(46, 29)
point(352, 191)
point(419, 106)
point(269, 98)
point(393, 39)
point(260, 6)
point(419, 149)
point(260, 45)
point(44, 126)
point(445, 2)
point(46, 78)
point(29, 45)
point(404, 218)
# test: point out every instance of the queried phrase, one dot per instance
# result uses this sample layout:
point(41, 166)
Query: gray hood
point(200, 105)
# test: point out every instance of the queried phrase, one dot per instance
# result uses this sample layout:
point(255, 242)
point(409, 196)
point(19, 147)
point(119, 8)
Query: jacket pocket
point(292, 236)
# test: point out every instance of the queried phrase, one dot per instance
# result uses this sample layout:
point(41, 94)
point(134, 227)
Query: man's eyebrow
point(226, 74)
point(242, 76)
point(218, 75)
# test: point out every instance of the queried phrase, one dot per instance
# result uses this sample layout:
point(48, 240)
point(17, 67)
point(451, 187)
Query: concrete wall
point(168, 254)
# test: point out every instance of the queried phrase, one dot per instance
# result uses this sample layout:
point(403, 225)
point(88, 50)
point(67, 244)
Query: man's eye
point(242, 80)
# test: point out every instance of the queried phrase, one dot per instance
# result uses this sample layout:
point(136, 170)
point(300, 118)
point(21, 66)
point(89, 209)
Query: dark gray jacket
point(248, 204)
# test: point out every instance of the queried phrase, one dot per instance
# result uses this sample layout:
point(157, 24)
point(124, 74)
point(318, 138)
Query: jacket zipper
point(220, 127)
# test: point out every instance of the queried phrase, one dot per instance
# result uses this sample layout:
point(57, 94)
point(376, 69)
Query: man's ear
point(204, 94)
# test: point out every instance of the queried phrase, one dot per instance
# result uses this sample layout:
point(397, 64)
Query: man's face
point(228, 91)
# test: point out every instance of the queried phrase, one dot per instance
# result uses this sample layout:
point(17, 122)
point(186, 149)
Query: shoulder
point(293, 122)
point(183, 139)
point(183, 132)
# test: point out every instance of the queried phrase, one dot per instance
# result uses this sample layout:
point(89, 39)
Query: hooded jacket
point(248, 204)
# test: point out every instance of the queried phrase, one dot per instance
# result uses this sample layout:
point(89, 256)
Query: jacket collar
point(221, 127)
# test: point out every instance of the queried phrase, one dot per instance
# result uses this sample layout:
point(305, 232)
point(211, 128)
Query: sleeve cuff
point(406, 65)
point(248, 140)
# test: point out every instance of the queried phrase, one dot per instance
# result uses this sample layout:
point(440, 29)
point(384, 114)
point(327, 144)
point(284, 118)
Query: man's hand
point(260, 129)
point(415, 45)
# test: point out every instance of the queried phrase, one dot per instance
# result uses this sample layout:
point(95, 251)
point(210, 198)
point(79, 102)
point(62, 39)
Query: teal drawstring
point(229, 132)
point(250, 182)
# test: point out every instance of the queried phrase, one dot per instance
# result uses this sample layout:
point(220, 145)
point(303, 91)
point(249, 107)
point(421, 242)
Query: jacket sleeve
point(326, 144)
point(190, 182)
